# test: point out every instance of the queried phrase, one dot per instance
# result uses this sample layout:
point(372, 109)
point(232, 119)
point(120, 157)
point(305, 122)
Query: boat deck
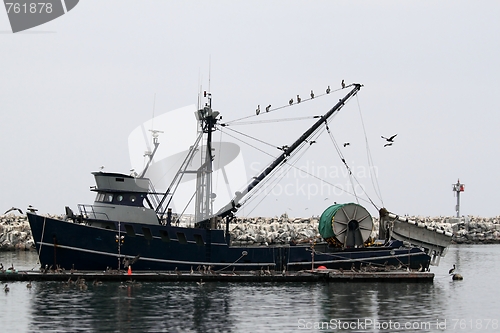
point(325, 275)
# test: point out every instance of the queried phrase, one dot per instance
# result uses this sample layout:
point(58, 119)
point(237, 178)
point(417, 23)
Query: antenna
point(209, 70)
point(154, 105)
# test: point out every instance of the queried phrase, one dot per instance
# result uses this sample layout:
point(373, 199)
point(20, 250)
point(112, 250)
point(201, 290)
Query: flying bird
point(346, 144)
point(290, 101)
point(312, 94)
point(391, 139)
point(328, 90)
point(388, 144)
point(268, 108)
point(343, 84)
point(12, 209)
point(257, 111)
point(298, 99)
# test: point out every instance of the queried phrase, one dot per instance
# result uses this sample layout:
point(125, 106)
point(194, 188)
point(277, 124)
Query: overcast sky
point(74, 89)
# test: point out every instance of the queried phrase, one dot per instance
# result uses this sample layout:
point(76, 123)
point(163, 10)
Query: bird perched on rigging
point(290, 101)
point(346, 144)
point(452, 270)
point(298, 99)
point(311, 142)
point(342, 84)
point(268, 108)
point(312, 94)
point(12, 209)
point(257, 111)
point(328, 90)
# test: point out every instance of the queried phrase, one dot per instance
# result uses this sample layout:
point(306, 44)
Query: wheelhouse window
point(123, 198)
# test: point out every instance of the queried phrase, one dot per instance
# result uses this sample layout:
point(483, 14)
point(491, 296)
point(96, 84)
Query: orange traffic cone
point(129, 270)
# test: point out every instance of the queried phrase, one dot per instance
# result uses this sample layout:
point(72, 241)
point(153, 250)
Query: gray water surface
point(471, 305)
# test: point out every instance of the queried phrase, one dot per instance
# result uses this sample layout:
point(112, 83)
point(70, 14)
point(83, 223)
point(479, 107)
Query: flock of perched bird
point(389, 140)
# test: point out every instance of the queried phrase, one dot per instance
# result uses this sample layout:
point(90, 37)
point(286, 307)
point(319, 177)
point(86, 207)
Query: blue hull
point(163, 248)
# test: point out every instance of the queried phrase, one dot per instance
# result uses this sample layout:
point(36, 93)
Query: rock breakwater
point(15, 233)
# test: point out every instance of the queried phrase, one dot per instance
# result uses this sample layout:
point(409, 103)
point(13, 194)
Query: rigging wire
point(286, 106)
point(270, 121)
point(371, 164)
point(342, 158)
point(218, 163)
point(354, 177)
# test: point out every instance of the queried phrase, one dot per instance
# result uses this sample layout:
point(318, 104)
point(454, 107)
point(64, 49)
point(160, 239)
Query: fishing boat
point(131, 224)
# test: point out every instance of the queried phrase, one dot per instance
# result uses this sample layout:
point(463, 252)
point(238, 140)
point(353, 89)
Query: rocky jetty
point(15, 233)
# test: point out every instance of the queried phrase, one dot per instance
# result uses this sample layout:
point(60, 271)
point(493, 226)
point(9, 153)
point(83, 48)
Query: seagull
point(32, 209)
point(391, 139)
point(312, 94)
point(346, 144)
point(298, 99)
point(28, 285)
point(201, 283)
point(268, 107)
point(328, 90)
point(452, 270)
point(258, 110)
point(12, 209)
point(343, 84)
point(290, 101)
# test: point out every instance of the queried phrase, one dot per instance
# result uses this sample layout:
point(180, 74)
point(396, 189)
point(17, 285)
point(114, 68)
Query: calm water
point(471, 305)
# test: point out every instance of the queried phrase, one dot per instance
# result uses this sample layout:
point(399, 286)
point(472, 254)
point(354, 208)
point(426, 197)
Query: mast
point(204, 203)
point(234, 204)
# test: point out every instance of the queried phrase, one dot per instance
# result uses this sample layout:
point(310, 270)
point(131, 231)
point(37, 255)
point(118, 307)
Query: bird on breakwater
point(452, 270)
point(257, 111)
point(13, 209)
